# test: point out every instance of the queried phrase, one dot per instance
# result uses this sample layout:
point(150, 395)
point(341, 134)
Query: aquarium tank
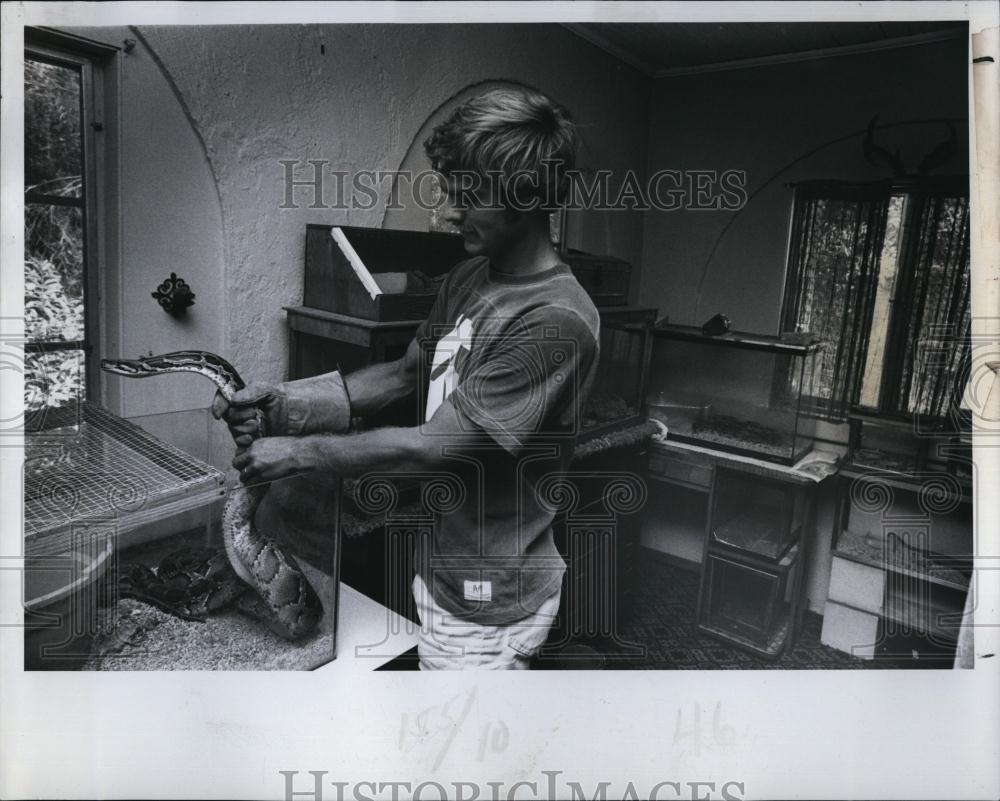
point(740, 393)
point(617, 397)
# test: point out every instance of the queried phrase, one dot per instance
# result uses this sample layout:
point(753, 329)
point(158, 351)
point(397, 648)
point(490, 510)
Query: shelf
point(868, 550)
point(902, 480)
point(745, 464)
point(922, 614)
point(677, 482)
point(739, 339)
point(349, 320)
point(754, 560)
point(753, 531)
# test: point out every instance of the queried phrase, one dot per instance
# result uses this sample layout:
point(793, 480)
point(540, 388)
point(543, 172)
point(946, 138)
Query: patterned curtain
point(836, 243)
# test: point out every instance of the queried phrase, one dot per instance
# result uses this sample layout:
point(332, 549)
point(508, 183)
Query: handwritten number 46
point(720, 734)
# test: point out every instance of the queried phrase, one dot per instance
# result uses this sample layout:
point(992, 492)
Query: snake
point(291, 604)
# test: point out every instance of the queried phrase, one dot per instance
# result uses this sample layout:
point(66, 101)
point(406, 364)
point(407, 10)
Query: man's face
point(487, 228)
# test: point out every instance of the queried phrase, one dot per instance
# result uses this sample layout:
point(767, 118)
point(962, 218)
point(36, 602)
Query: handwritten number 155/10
point(440, 724)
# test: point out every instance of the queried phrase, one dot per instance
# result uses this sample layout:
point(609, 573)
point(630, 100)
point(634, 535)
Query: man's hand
point(317, 405)
point(271, 458)
point(242, 414)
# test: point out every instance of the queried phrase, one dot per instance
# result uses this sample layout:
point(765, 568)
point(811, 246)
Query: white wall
point(169, 220)
point(357, 96)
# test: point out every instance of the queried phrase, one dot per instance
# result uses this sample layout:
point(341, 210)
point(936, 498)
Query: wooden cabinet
point(319, 341)
point(756, 535)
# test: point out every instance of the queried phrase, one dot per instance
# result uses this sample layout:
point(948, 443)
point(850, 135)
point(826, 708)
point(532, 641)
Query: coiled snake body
point(293, 604)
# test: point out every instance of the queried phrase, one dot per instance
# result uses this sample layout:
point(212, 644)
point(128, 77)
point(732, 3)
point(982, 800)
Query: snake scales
point(293, 606)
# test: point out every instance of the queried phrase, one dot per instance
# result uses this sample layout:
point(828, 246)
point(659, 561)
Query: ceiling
point(671, 48)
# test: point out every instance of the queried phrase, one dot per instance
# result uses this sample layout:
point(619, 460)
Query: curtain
point(836, 244)
point(935, 331)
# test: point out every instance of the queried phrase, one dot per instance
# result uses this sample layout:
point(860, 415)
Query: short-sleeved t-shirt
point(516, 357)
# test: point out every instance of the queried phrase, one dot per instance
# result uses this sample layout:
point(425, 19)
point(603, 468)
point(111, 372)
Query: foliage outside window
point(55, 223)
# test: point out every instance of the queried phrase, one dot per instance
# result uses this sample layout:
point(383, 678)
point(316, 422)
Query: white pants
point(450, 643)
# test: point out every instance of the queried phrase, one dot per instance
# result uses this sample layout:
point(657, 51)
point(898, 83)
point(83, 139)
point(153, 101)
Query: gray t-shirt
point(516, 356)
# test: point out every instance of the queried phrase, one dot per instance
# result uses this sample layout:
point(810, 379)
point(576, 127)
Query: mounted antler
point(879, 156)
point(941, 154)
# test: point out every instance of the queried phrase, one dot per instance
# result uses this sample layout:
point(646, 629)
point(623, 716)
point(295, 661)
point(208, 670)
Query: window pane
point(835, 262)
point(884, 294)
point(53, 273)
point(52, 379)
point(939, 325)
point(52, 129)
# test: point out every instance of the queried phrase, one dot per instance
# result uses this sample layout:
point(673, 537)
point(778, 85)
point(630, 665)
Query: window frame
point(917, 192)
point(93, 61)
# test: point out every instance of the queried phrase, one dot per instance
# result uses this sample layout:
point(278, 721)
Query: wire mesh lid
point(89, 464)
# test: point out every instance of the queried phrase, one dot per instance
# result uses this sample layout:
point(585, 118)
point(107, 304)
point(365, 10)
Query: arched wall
point(169, 220)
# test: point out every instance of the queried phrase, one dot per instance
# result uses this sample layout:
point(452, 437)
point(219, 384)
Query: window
point(880, 272)
point(62, 104)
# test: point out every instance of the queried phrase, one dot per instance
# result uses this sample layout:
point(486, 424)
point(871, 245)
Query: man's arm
point(323, 403)
point(420, 448)
point(373, 388)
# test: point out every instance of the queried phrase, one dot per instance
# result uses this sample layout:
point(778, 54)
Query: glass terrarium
point(740, 393)
point(756, 515)
point(886, 444)
point(748, 604)
point(908, 447)
point(616, 399)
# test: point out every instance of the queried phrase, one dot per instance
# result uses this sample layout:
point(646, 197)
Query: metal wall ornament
point(174, 295)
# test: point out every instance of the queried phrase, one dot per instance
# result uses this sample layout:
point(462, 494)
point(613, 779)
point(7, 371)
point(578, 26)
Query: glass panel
point(884, 293)
point(827, 303)
point(939, 325)
point(53, 273)
point(731, 398)
point(56, 378)
point(887, 446)
point(743, 599)
point(833, 273)
point(754, 515)
point(52, 129)
point(615, 394)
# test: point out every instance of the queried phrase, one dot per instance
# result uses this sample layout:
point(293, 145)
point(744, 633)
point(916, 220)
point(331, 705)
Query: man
point(503, 365)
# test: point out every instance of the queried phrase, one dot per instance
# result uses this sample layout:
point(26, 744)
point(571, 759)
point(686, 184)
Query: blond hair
point(518, 136)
